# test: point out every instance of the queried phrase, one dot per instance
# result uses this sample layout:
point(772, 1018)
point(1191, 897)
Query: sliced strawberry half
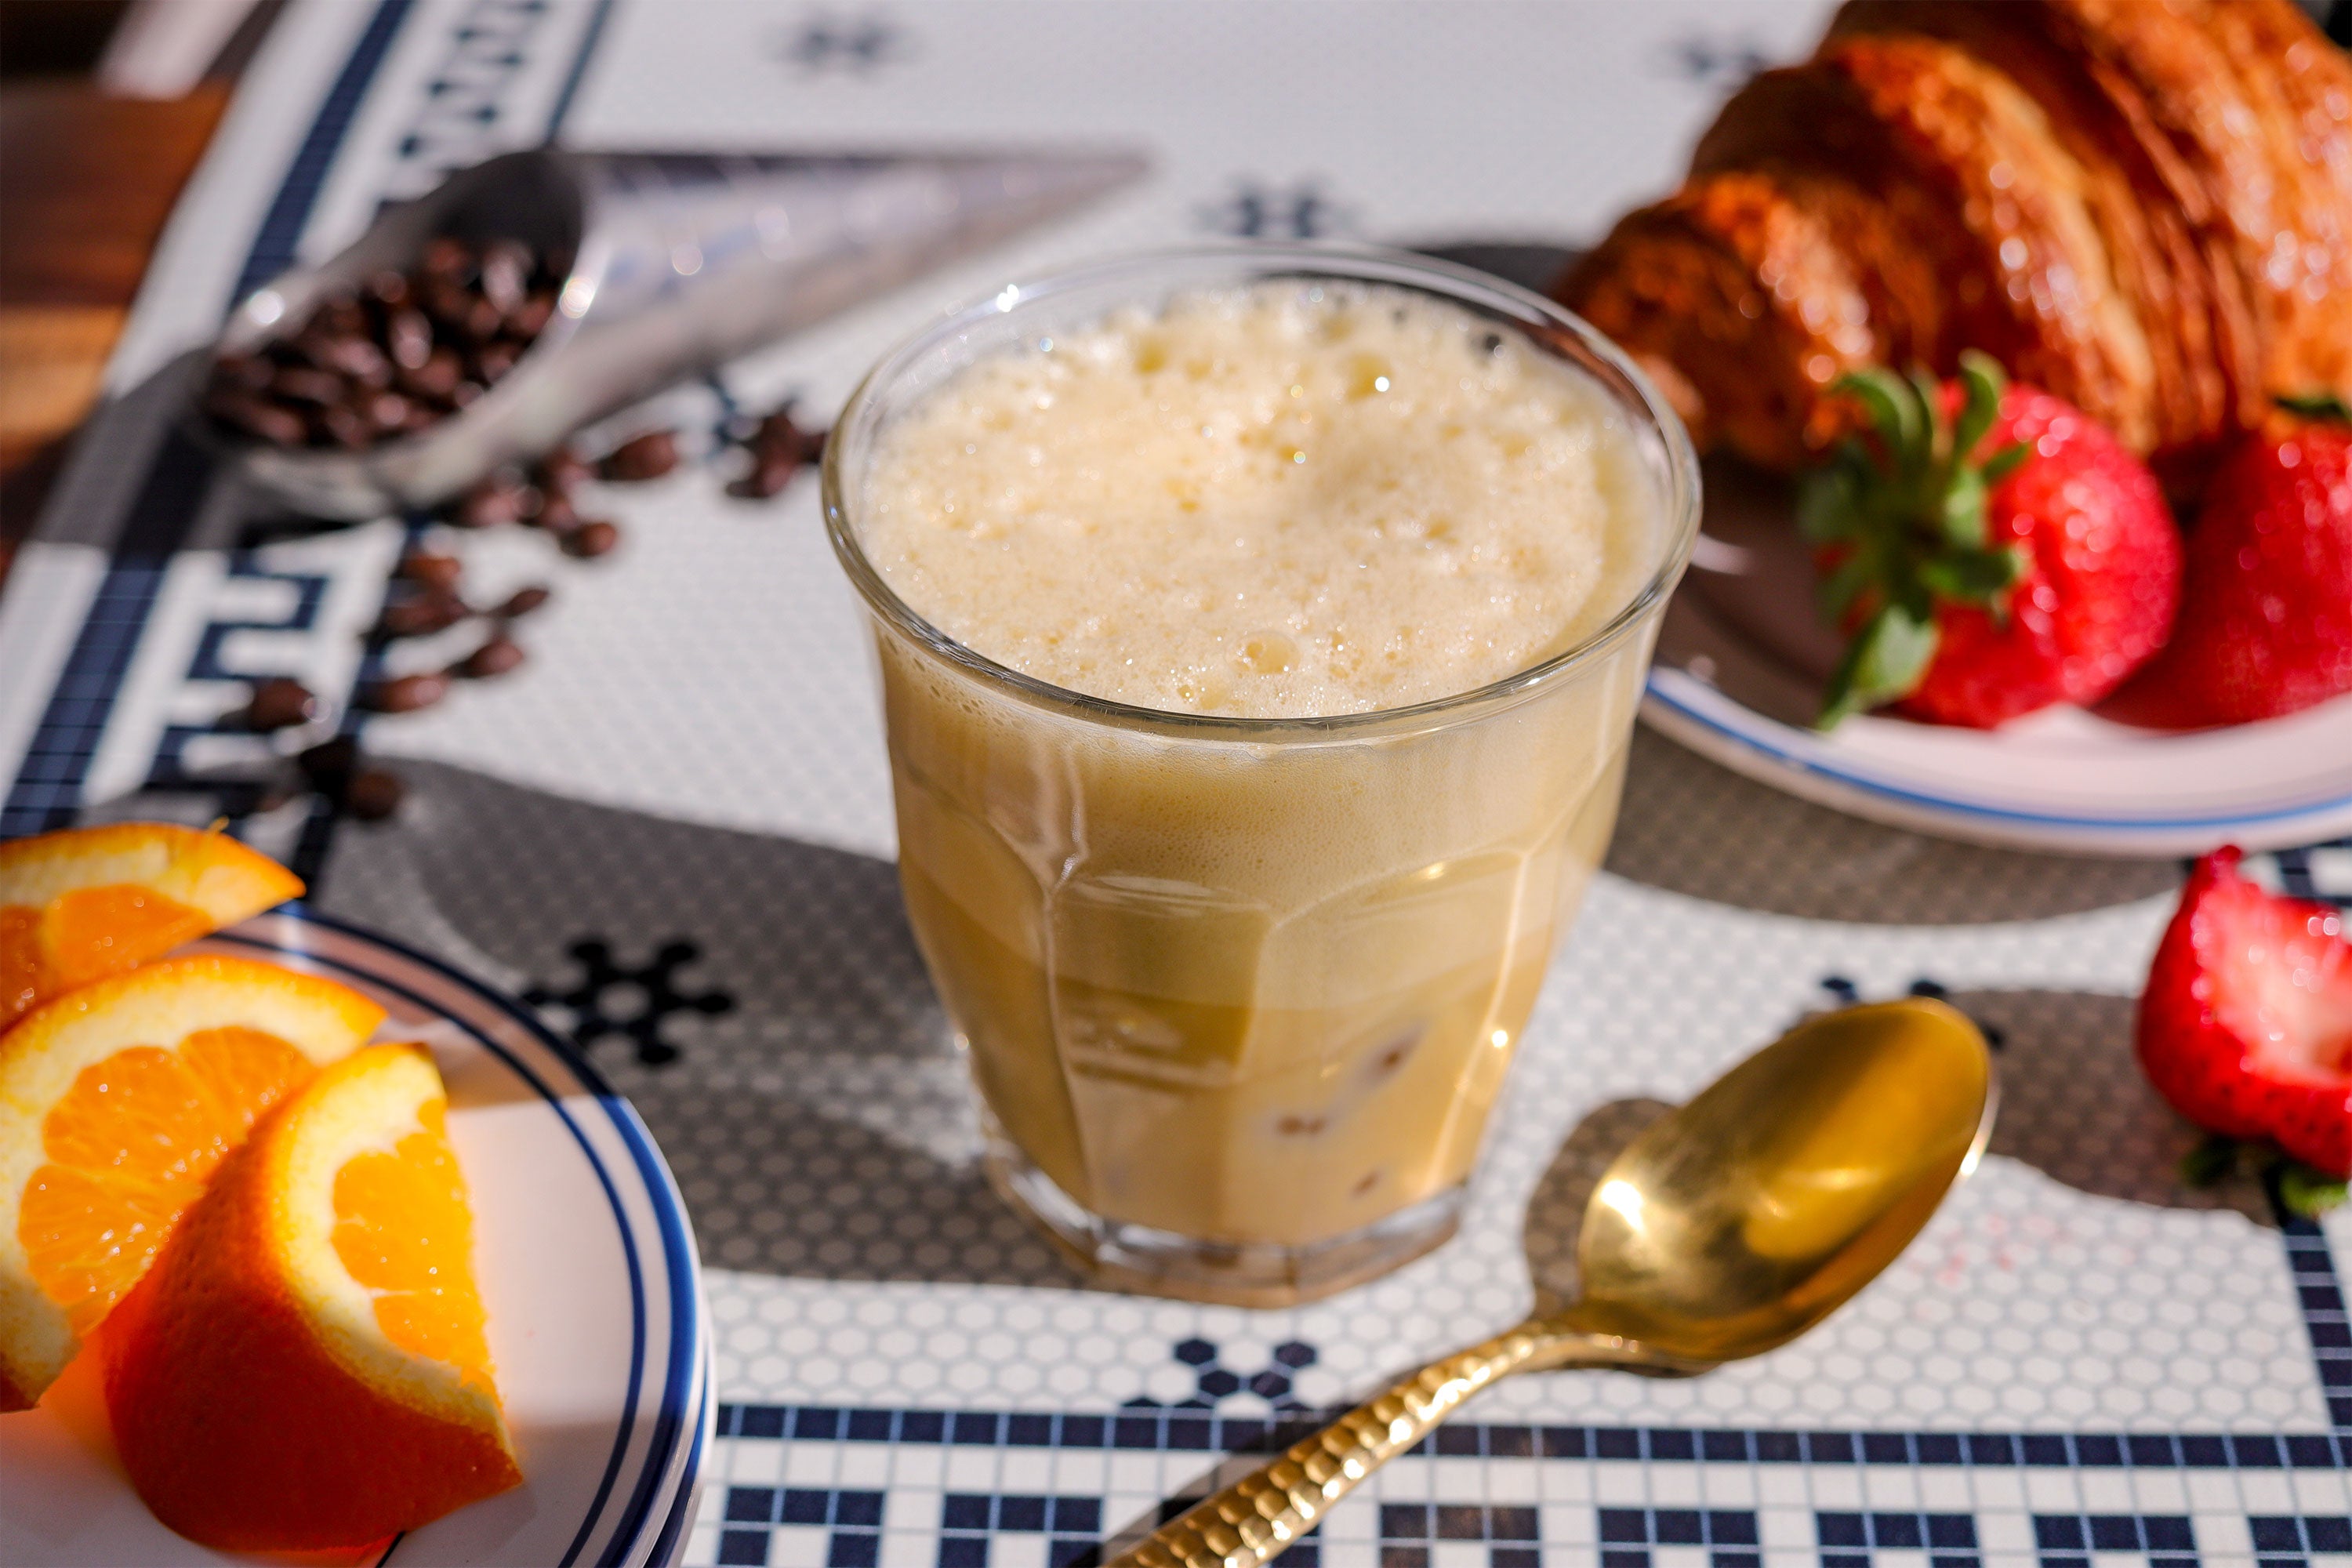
point(2246, 1024)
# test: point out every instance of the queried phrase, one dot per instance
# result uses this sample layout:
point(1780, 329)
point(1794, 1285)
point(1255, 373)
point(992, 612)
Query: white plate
point(587, 1269)
point(1738, 674)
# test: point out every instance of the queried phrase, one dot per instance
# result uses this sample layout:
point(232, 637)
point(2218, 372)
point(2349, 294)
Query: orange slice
point(116, 1102)
point(305, 1369)
point(81, 905)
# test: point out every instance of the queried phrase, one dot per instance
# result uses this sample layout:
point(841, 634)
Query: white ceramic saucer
point(587, 1268)
point(1738, 676)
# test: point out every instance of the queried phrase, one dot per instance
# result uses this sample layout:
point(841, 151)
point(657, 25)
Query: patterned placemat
point(671, 830)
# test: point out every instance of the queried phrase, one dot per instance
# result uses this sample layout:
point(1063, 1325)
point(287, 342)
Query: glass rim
point(1341, 263)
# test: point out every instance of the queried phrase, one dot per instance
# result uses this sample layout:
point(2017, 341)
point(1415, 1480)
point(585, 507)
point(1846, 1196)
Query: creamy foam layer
point(1275, 502)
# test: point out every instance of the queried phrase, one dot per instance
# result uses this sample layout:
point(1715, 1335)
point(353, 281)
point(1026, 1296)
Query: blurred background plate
point(588, 1271)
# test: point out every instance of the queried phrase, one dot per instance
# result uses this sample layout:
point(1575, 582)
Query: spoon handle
point(1253, 1521)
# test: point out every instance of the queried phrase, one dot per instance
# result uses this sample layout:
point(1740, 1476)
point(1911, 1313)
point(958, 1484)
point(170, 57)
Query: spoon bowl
point(1739, 1221)
point(1729, 1227)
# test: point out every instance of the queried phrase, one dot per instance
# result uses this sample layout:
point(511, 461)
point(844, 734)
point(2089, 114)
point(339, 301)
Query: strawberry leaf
point(2307, 1191)
point(1971, 576)
point(1962, 511)
point(2003, 463)
point(2317, 406)
point(1885, 661)
point(1982, 384)
point(2210, 1161)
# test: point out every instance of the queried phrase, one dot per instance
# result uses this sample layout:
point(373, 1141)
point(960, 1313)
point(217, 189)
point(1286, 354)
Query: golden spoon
point(1726, 1229)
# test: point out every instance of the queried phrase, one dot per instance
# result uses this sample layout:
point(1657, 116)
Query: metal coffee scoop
point(681, 262)
point(1726, 1229)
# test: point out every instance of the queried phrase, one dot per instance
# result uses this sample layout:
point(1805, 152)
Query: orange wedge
point(116, 1102)
point(81, 905)
point(305, 1369)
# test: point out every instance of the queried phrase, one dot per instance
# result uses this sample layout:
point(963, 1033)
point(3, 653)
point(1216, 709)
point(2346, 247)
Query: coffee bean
point(492, 360)
point(340, 317)
point(555, 512)
point(422, 614)
point(406, 693)
point(531, 317)
point(522, 602)
point(345, 428)
point(432, 571)
point(436, 378)
point(446, 258)
point(388, 289)
point(410, 336)
point(590, 539)
point(278, 703)
point(493, 658)
point(505, 274)
point(241, 373)
point(564, 469)
point(388, 411)
point(374, 795)
point(296, 385)
point(280, 426)
point(641, 458)
point(497, 500)
point(329, 764)
point(353, 357)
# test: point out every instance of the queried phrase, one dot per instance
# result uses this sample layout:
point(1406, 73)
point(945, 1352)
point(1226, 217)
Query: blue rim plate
point(2060, 780)
point(588, 1271)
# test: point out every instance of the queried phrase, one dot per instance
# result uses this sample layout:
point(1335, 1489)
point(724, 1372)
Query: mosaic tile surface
point(671, 831)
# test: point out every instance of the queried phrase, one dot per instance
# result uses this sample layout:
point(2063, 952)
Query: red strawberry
point(2246, 1024)
point(2266, 623)
point(1994, 549)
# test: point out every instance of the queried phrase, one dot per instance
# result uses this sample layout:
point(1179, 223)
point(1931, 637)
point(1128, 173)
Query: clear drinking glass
point(1239, 994)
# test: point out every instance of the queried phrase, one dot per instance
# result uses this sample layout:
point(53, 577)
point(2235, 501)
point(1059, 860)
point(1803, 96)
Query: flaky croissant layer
point(2142, 205)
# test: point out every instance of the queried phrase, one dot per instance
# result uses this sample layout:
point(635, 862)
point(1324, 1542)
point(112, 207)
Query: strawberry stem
point(1901, 517)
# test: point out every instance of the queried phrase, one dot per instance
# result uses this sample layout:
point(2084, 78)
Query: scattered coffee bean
point(641, 458)
point(422, 614)
point(778, 449)
point(493, 658)
point(564, 469)
point(374, 795)
point(279, 703)
point(405, 694)
point(242, 372)
point(590, 539)
point(328, 765)
point(432, 571)
point(500, 498)
point(522, 602)
point(555, 512)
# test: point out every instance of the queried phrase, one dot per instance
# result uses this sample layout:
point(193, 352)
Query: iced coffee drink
point(1259, 641)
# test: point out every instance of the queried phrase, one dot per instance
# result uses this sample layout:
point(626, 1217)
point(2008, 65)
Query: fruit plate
point(1741, 664)
point(587, 1268)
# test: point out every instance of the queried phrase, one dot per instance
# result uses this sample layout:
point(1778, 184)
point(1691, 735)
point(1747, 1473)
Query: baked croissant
point(2142, 205)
